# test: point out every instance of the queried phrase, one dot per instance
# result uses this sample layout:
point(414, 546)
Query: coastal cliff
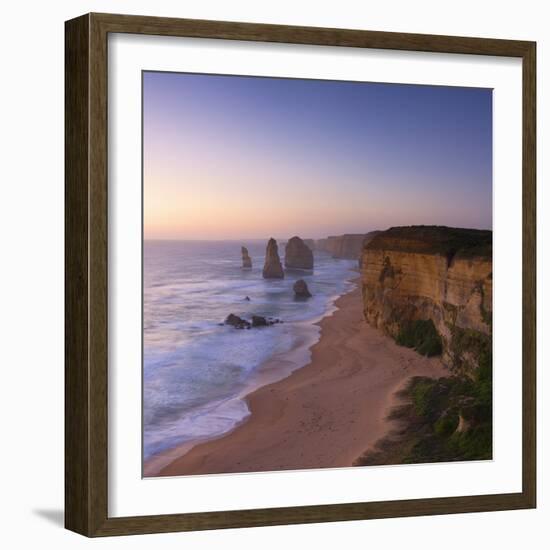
point(430, 287)
point(348, 246)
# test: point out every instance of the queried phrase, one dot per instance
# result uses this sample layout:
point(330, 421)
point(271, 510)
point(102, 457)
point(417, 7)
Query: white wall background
point(31, 272)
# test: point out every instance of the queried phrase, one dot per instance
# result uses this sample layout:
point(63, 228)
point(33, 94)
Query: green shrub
point(429, 417)
point(478, 346)
point(422, 336)
point(446, 425)
point(422, 396)
point(475, 444)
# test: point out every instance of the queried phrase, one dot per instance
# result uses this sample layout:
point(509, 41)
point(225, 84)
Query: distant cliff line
point(348, 246)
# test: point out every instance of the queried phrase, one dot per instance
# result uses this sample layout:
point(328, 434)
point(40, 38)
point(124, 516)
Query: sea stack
point(298, 255)
point(301, 290)
point(247, 260)
point(272, 267)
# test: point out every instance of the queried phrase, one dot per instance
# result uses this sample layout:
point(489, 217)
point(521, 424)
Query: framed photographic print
point(300, 275)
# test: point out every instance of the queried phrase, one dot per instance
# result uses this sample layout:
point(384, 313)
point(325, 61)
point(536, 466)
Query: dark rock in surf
point(301, 290)
point(259, 321)
point(236, 321)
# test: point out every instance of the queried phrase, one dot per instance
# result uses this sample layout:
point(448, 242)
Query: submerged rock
point(298, 255)
point(272, 267)
point(247, 260)
point(236, 321)
point(301, 290)
point(259, 321)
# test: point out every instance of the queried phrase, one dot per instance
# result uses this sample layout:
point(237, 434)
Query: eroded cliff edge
point(430, 287)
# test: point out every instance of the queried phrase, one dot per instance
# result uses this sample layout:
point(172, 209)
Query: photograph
point(317, 265)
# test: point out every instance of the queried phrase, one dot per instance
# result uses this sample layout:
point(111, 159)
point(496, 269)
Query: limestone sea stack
point(272, 267)
point(247, 260)
point(301, 290)
point(298, 255)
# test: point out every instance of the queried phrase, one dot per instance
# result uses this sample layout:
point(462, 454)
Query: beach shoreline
point(276, 368)
point(323, 415)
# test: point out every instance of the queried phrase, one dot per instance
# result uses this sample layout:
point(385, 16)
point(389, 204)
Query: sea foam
point(196, 373)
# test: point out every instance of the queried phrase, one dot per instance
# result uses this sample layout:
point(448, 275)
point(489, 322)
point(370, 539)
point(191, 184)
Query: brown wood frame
point(87, 289)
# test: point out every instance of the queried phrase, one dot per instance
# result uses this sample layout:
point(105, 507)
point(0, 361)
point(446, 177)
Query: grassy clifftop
point(435, 239)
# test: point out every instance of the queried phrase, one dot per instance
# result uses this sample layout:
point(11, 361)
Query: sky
point(233, 157)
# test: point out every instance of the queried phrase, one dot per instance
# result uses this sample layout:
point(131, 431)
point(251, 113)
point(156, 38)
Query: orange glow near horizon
point(247, 158)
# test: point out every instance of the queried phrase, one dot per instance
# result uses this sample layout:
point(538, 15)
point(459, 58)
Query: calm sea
point(196, 372)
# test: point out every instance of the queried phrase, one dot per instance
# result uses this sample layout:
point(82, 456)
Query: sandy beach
point(323, 415)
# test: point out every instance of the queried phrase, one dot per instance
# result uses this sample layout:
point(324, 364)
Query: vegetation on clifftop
point(445, 241)
point(440, 420)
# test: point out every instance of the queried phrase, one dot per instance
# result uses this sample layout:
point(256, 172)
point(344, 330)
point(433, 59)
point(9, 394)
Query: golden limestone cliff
point(430, 288)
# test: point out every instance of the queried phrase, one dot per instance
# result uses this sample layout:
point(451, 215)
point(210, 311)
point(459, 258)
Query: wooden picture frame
point(86, 279)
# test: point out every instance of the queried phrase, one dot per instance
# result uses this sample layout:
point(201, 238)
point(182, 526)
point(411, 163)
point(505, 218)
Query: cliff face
point(298, 255)
point(347, 246)
point(427, 273)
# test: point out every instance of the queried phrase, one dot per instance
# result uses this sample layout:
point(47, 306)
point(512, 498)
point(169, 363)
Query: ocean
point(196, 373)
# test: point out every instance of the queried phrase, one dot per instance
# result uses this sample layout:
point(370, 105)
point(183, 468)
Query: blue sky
point(235, 157)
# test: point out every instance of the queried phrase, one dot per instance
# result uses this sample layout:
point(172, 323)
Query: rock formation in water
point(301, 290)
point(257, 321)
point(247, 260)
point(430, 287)
point(347, 246)
point(298, 255)
point(236, 321)
point(272, 267)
